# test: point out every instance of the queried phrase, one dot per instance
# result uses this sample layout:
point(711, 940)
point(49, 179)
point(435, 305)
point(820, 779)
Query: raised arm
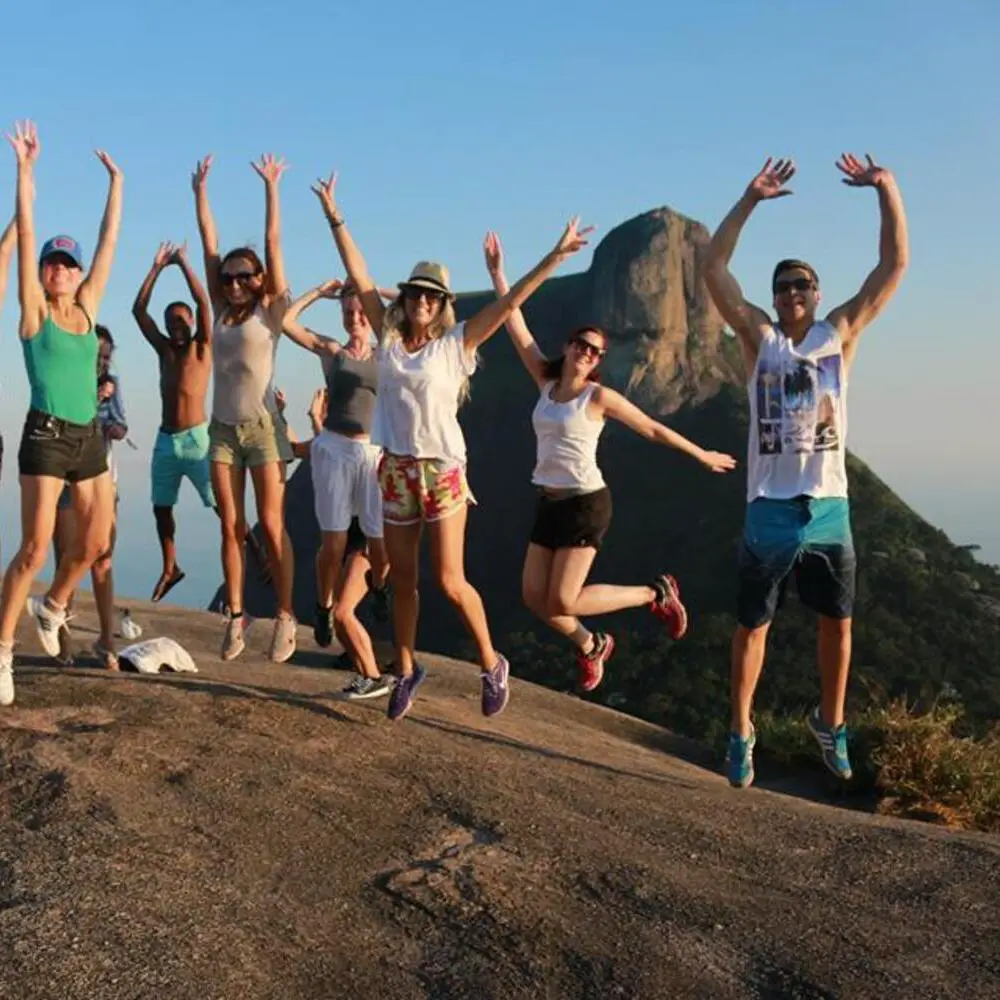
point(7, 243)
point(92, 290)
point(317, 412)
point(489, 319)
point(202, 305)
point(270, 170)
point(527, 349)
point(140, 308)
point(209, 234)
point(354, 263)
point(893, 248)
point(29, 287)
point(747, 321)
point(302, 335)
point(614, 405)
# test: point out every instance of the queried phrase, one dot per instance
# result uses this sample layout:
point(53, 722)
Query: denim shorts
point(805, 537)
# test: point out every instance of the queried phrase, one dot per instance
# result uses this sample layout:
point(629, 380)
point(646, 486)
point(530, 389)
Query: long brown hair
point(553, 367)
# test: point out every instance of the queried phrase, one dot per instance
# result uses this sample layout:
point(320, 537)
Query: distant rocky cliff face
point(646, 290)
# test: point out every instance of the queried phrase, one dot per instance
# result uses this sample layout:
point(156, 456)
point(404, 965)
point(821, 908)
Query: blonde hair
point(395, 326)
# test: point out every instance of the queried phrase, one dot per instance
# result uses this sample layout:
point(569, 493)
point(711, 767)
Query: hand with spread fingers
point(573, 238)
point(25, 142)
point(860, 174)
point(717, 461)
point(325, 190)
point(270, 168)
point(200, 175)
point(771, 180)
point(493, 251)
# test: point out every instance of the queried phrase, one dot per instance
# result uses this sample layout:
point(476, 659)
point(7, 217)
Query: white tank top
point(567, 442)
point(243, 359)
point(798, 417)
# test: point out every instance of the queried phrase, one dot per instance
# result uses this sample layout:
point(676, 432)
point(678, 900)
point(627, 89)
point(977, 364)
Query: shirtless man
point(798, 518)
point(181, 449)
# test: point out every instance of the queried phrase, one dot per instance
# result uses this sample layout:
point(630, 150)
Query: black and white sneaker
point(48, 621)
point(362, 688)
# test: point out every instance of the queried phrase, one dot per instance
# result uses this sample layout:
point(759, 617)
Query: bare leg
point(166, 531)
point(39, 496)
point(447, 538)
point(269, 488)
point(229, 484)
point(536, 583)
point(402, 542)
point(569, 596)
point(747, 663)
point(834, 649)
point(102, 580)
point(62, 539)
point(351, 589)
point(379, 558)
point(328, 565)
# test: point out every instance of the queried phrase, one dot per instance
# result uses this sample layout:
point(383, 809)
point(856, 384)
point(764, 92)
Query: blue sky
point(446, 119)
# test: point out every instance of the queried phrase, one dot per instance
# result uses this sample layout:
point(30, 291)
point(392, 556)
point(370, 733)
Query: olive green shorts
point(251, 444)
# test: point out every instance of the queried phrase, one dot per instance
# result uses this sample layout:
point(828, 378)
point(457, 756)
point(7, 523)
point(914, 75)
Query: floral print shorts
point(421, 489)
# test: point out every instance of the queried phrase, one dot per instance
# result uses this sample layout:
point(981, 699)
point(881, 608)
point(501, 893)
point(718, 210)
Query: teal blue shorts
point(805, 537)
point(177, 456)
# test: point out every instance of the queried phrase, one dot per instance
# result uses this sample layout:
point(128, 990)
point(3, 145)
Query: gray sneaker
point(282, 639)
point(362, 688)
point(6, 675)
point(48, 621)
point(234, 642)
point(496, 690)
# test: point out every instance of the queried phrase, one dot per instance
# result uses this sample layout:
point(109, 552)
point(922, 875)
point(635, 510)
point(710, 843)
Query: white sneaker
point(282, 639)
point(6, 676)
point(127, 628)
point(48, 621)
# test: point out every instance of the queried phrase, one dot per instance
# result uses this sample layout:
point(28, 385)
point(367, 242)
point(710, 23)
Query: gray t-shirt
point(243, 361)
point(351, 386)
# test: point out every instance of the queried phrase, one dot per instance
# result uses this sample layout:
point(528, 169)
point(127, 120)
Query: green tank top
point(62, 372)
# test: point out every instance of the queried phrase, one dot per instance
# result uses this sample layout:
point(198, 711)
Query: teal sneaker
point(832, 742)
point(739, 759)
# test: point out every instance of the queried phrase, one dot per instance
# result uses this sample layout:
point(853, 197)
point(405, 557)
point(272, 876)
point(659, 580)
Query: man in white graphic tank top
point(798, 520)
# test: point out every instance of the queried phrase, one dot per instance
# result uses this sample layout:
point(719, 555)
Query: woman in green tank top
point(61, 442)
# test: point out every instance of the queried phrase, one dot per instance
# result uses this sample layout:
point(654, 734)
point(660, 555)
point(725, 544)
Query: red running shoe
point(591, 665)
point(667, 606)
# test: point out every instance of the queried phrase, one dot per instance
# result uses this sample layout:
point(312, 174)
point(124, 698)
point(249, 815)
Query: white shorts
point(345, 483)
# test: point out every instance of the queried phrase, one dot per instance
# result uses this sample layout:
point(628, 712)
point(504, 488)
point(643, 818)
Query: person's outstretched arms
point(527, 348)
point(202, 305)
point(209, 234)
point(8, 241)
point(29, 287)
point(746, 320)
point(302, 335)
point(269, 169)
point(893, 249)
point(354, 263)
point(479, 328)
point(614, 405)
point(140, 308)
point(92, 289)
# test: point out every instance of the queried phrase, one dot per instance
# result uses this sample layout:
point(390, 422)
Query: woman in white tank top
point(574, 504)
point(247, 431)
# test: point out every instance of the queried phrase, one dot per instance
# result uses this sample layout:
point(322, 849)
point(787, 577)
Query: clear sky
point(448, 118)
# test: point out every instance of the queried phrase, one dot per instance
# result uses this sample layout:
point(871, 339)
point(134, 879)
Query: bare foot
point(106, 656)
point(166, 583)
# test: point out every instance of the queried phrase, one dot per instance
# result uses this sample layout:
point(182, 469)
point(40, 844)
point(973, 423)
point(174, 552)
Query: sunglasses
point(799, 284)
point(415, 294)
point(238, 277)
point(586, 347)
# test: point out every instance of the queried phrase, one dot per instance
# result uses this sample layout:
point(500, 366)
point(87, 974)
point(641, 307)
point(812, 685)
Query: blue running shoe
point(832, 742)
point(739, 759)
point(496, 689)
point(401, 699)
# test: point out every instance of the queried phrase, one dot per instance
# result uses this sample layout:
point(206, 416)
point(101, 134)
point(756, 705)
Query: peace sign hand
point(25, 142)
point(573, 238)
point(771, 181)
point(325, 190)
point(200, 175)
point(860, 174)
point(270, 168)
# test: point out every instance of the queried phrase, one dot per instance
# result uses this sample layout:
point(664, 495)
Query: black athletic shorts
point(356, 541)
point(54, 447)
point(572, 522)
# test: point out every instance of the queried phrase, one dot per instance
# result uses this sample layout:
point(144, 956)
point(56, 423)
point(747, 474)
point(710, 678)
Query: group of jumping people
point(388, 456)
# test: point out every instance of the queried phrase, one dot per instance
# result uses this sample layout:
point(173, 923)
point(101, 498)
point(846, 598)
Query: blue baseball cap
point(62, 244)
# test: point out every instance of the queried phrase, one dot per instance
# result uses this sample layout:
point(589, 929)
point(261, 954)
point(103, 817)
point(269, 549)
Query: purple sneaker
point(401, 699)
point(496, 690)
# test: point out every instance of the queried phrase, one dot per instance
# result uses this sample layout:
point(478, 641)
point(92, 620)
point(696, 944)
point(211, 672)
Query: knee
point(838, 629)
point(453, 586)
point(273, 529)
point(560, 606)
point(102, 565)
point(403, 579)
point(234, 529)
point(31, 556)
point(343, 614)
point(534, 601)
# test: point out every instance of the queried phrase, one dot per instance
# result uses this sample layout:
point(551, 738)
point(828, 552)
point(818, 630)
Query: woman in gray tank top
point(247, 432)
point(344, 467)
